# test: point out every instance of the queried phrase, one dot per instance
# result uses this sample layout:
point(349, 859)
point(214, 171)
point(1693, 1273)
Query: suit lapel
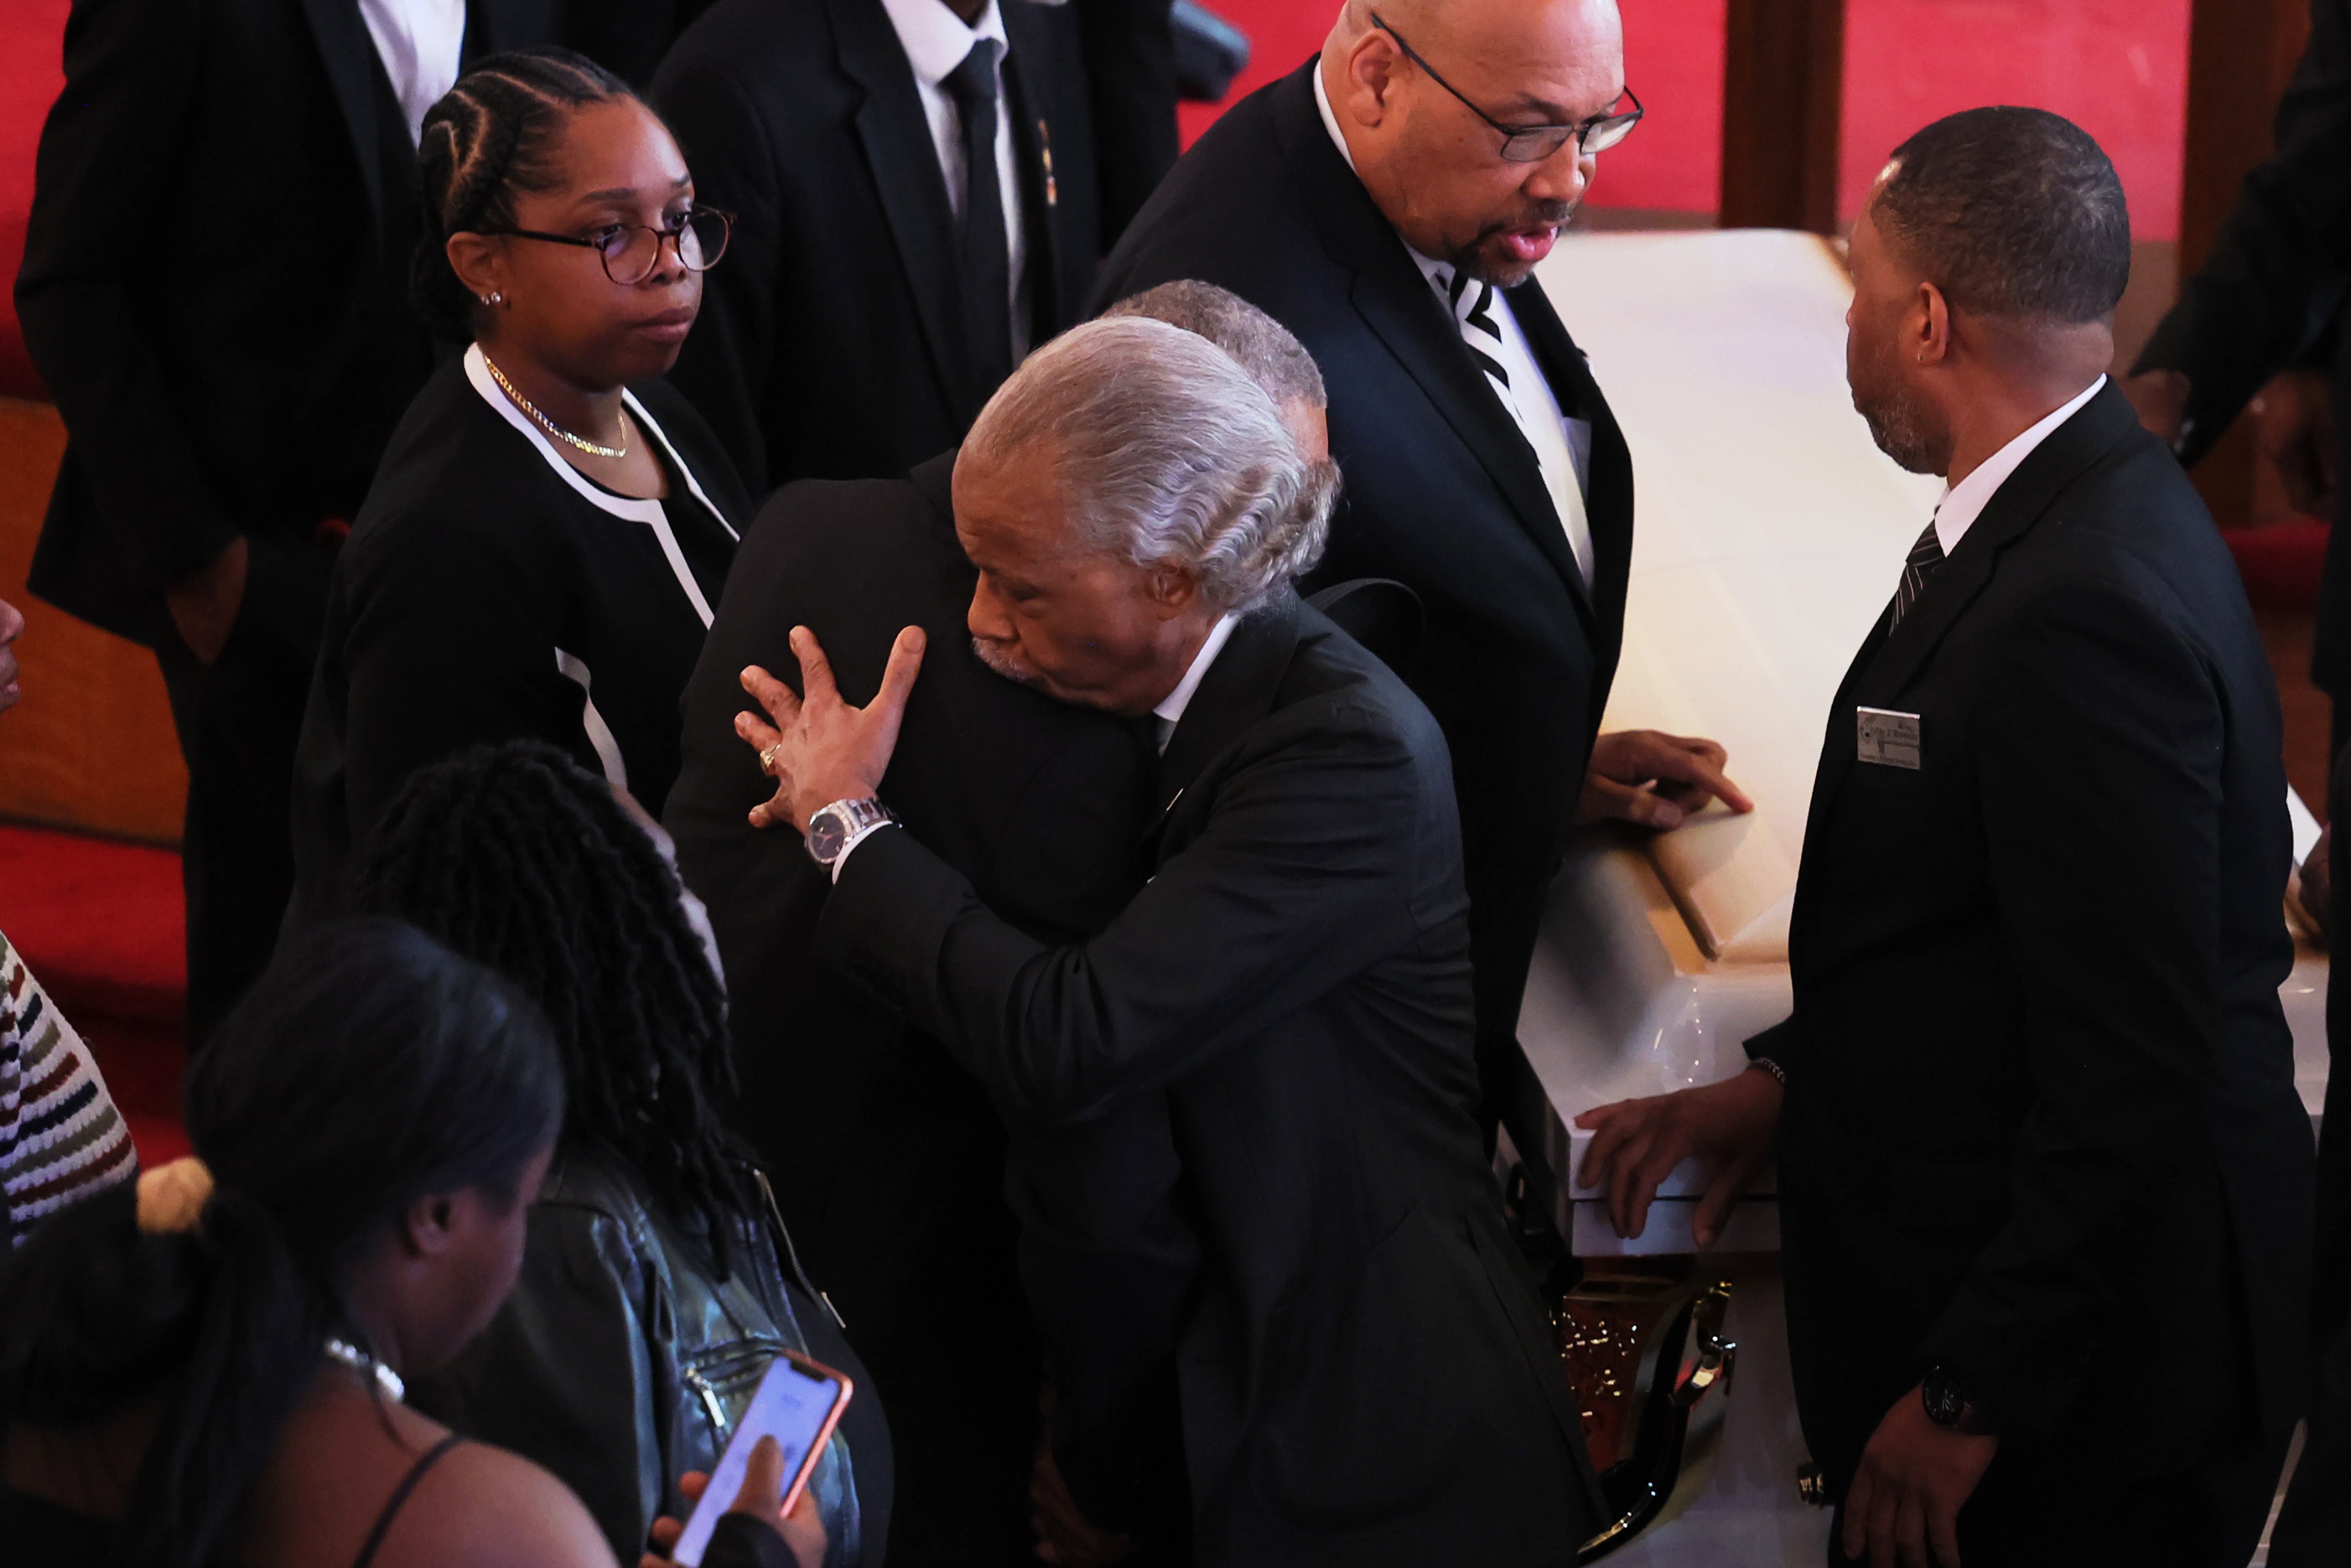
point(1400, 307)
point(1889, 662)
point(349, 55)
point(2069, 451)
point(1236, 691)
point(1033, 112)
point(1608, 477)
point(897, 134)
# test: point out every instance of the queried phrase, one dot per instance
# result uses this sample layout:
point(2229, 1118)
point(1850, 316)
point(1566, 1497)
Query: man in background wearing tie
point(215, 291)
point(922, 192)
point(2045, 1185)
point(1388, 202)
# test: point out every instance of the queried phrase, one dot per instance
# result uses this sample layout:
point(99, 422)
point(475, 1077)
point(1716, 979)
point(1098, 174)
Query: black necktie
point(1925, 556)
point(987, 268)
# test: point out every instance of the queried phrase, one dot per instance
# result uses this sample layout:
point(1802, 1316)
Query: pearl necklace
point(548, 425)
point(360, 1361)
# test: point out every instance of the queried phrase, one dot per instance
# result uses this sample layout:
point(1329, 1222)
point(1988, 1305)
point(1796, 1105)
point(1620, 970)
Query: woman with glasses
point(551, 525)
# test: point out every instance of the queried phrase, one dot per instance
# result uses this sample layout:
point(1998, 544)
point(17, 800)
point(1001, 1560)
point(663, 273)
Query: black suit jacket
point(230, 351)
point(2269, 292)
point(1367, 1375)
point(880, 1134)
point(831, 342)
point(1443, 494)
point(2040, 1123)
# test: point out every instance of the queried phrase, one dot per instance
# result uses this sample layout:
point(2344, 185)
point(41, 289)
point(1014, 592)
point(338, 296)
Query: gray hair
point(2013, 213)
point(1166, 450)
point(1258, 343)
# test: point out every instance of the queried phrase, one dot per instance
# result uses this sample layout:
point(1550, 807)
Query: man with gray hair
point(2044, 1181)
point(903, 1185)
point(1365, 1373)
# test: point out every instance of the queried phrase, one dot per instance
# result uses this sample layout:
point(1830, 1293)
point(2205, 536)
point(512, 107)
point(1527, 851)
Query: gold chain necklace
point(549, 425)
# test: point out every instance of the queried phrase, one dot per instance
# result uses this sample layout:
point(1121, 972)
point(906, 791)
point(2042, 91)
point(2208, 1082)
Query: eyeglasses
point(1533, 143)
point(631, 252)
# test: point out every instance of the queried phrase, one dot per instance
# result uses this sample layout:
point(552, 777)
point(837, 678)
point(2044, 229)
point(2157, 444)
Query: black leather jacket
point(619, 1363)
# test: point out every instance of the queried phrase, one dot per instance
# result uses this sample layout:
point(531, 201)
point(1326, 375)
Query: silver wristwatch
point(836, 827)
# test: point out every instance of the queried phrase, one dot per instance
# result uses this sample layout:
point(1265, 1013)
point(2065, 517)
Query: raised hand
point(820, 750)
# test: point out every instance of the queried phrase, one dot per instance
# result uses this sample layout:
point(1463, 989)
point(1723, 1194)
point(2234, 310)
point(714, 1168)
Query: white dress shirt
point(937, 40)
point(1964, 502)
point(420, 43)
point(1171, 708)
point(1563, 446)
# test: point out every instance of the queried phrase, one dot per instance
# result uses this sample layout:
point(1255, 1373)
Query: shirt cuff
point(855, 838)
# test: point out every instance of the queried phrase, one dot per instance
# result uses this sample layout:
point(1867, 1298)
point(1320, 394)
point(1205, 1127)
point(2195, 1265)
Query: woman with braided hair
point(551, 525)
point(658, 1284)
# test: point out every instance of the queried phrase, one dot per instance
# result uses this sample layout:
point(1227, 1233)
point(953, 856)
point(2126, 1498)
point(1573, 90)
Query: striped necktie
point(1472, 303)
point(1925, 556)
point(1473, 307)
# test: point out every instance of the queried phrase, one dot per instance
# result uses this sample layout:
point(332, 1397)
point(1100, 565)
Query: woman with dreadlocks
point(658, 1283)
point(551, 524)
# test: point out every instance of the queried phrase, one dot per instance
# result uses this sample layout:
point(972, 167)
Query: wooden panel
point(2241, 54)
point(1783, 113)
point(91, 745)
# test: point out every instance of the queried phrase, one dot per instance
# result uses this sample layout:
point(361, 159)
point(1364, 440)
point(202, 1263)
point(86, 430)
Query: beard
point(1903, 425)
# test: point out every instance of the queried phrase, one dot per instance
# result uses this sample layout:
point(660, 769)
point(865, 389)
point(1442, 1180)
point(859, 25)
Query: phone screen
point(797, 1405)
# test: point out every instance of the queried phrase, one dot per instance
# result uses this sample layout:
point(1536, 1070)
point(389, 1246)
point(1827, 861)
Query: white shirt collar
point(1964, 502)
point(1171, 708)
point(937, 40)
point(1331, 120)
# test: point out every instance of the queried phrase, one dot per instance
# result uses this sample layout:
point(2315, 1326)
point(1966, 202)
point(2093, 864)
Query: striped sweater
point(60, 1136)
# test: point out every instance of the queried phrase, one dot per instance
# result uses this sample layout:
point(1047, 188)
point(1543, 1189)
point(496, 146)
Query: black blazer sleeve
point(2100, 759)
point(725, 363)
point(1292, 886)
point(102, 172)
point(1130, 57)
point(2275, 275)
point(450, 643)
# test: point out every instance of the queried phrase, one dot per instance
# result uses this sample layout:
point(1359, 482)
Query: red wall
point(2119, 67)
point(30, 79)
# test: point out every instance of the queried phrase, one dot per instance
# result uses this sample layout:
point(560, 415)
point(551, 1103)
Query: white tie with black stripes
point(1473, 303)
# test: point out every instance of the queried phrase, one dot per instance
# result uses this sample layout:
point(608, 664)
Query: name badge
point(1887, 739)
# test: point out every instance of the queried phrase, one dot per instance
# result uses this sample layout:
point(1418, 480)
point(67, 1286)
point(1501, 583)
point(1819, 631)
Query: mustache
point(996, 657)
point(1544, 213)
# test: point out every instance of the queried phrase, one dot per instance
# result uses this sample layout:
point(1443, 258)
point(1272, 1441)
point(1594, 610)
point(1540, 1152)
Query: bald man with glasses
point(1388, 202)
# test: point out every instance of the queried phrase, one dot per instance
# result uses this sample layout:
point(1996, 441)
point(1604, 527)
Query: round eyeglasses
point(631, 252)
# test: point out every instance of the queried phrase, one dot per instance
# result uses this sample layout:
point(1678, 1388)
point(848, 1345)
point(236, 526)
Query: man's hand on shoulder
point(1636, 1143)
point(820, 750)
point(1655, 780)
point(1915, 1477)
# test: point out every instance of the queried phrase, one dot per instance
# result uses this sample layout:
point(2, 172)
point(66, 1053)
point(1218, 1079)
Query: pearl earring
point(494, 297)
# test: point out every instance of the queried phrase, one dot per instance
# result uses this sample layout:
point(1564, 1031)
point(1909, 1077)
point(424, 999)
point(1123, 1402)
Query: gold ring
point(767, 759)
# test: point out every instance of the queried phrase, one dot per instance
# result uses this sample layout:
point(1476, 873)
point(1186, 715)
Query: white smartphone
point(799, 1403)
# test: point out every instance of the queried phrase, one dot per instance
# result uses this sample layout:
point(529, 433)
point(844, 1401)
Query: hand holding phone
point(799, 1403)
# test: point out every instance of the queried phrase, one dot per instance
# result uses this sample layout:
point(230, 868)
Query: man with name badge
point(2045, 1183)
